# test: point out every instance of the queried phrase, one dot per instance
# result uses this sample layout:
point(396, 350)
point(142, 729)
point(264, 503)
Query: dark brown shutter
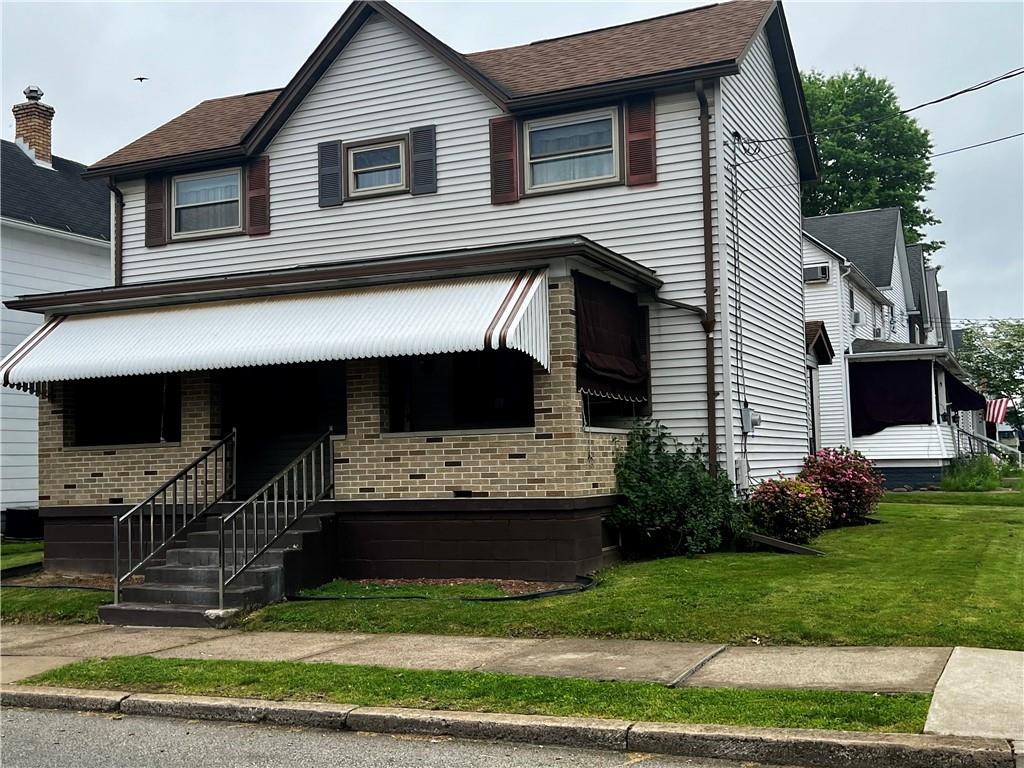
point(257, 196)
point(329, 163)
point(422, 147)
point(504, 160)
point(156, 211)
point(641, 162)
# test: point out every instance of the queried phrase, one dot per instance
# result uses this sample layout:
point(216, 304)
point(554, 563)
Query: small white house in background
point(54, 236)
point(901, 404)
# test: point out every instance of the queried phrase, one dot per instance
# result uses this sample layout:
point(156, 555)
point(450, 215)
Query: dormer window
point(207, 203)
point(377, 168)
point(581, 149)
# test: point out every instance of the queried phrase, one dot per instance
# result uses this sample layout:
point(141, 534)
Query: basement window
point(128, 410)
point(469, 390)
point(207, 203)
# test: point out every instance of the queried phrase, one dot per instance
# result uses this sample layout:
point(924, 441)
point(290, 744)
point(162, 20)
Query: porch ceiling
point(465, 314)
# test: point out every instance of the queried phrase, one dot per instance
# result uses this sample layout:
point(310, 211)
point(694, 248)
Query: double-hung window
point(375, 169)
point(206, 203)
point(581, 149)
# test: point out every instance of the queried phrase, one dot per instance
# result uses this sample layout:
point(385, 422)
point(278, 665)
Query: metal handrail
point(993, 445)
point(152, 512)
point(272, 512)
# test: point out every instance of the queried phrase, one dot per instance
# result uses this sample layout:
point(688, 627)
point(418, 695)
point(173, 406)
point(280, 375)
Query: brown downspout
point(118, 227)
point(708, 321)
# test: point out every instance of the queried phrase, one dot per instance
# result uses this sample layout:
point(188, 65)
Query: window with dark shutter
point(329, 163)
point(156, 211)
point(641, 162)
point(504, 160)
point(257, 196)
point(422, 147)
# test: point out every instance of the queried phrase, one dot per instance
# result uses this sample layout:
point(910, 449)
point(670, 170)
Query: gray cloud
point(85, 55)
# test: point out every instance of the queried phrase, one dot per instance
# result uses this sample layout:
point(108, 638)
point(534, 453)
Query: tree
point(993, 355)
point(871, 155)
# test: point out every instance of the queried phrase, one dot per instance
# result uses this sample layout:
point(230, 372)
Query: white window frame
point(570, 119)
point(175, 234)
point(350, 171)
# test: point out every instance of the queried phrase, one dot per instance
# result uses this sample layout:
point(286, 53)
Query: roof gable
point(867, 238)
point(56, 198)
point(667, 50)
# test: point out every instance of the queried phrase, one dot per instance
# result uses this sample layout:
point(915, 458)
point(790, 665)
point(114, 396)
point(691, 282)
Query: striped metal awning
point(508, 310)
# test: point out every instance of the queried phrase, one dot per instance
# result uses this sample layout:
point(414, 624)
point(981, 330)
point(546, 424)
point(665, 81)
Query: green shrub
point(971, 473)
point(671, 504)
point(849, 481)
point(791, 510)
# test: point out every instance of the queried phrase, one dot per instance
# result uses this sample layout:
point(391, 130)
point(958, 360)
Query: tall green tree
point(871, 155)
point(993, 355)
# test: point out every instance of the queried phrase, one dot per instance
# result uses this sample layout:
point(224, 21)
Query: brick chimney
point(32, 123)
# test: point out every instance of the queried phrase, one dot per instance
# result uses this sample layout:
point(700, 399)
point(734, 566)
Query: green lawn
point(15, 553)
point(30, 605)
point(958, 498)
point(927, 574)
point(488, 692)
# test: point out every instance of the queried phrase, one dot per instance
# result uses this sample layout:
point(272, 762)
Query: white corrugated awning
point(465, 314)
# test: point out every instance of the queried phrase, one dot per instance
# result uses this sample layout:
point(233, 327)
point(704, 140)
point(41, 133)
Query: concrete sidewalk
point(960, 705)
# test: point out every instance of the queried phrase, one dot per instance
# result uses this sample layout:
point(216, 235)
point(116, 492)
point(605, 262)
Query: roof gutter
point(708, 319)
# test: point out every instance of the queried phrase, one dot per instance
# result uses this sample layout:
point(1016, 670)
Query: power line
point(969, 89)
point(980, 144)
point(935, 154)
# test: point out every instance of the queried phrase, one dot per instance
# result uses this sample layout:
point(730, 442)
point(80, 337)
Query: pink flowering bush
point(791, 510)
point(849, 481)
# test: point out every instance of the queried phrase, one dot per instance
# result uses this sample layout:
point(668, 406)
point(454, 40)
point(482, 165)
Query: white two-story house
point(899, 402)
point(451, 279)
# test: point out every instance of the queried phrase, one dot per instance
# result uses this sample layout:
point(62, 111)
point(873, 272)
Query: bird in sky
point(140, 79)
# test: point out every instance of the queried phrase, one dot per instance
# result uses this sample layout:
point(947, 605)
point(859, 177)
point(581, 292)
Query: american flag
point(995, 410)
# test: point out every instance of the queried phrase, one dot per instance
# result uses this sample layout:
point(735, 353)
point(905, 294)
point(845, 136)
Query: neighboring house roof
point(869, 345)
point(947, 323)
point(817, 342)
point(915, 260)
point(56, 198)
point(958, 338)
point(867, 238)
point(676, 48)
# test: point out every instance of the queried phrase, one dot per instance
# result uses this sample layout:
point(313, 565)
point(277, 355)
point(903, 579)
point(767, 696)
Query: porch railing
point(258, 522)
point(972, 444)
point(146, 529)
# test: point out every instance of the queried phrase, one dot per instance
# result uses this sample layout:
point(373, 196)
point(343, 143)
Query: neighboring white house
point(898, 403)
point(54, 236)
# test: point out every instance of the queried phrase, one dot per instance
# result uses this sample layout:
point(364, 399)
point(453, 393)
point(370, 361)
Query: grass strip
point(961, 498)
point(490, 692)
point(32, 605)
point(15, 553)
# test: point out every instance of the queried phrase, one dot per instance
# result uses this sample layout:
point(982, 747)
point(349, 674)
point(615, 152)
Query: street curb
point(791, 746)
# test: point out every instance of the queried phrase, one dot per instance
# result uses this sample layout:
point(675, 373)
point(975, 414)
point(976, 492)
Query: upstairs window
point(581, 149)
point(207, 203)
point(375, 169)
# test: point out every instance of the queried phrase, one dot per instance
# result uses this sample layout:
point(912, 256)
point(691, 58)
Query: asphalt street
point(59, 739)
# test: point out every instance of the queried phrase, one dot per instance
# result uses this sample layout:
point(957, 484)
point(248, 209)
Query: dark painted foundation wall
point(531, 539)
point(911, 477)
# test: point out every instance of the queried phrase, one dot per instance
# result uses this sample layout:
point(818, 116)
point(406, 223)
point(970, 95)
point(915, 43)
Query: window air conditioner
point(878, 333)
point(816, 274)
point(855, 318)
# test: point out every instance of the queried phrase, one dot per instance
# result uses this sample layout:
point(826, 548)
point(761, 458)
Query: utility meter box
point(749, 419)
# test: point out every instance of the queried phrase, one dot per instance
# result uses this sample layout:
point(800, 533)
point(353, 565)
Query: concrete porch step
point(267, 576)
point(164, 615)
point(211, 539)
point(311, 521)
point(190, 594)
point(197, 556)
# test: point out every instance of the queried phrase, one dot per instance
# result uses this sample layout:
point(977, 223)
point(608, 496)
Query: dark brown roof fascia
point(793, 100)
point(192, 160)
point(321, 277)
point(332, 45)
point(614, 88)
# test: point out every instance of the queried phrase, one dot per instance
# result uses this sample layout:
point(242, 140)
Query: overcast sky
point(84, 56)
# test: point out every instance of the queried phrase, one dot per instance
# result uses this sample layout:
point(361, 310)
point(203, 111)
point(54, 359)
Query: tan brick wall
point(81, 476)
point(555, 458)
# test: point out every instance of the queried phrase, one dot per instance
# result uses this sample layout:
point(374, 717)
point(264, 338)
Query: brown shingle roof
point(816, 340)
point(696, 38)
point(679, 41)
point(211, 124)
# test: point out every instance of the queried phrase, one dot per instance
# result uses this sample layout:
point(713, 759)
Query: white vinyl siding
point(385, 82)
point(34, 262)
point(826, 302)
point(771, 321)
point(896, 293)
